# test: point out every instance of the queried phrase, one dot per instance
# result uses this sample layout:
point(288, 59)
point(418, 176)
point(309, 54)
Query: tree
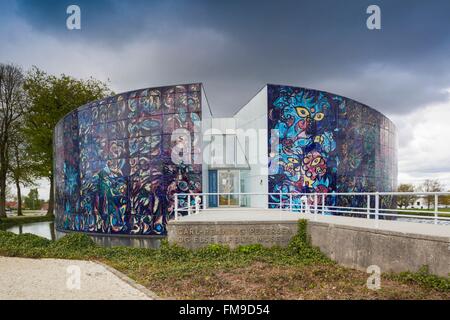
point(430, 185)
point(51, 98)
point(12, 107)
point(446, 200)
point(406, 200)
point(21, 167)
point(32, 201)
point(9, 194)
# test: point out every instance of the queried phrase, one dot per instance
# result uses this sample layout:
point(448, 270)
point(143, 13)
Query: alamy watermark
point(374, 20)
point(73, 281)
point(234, 147)
point(73, 21)
point(374, 280)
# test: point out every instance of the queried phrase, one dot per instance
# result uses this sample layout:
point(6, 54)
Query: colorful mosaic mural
point(113, 168)
point(114, 172)
point(328, 143)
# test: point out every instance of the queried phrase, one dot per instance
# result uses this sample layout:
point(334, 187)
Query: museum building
point(118, 162)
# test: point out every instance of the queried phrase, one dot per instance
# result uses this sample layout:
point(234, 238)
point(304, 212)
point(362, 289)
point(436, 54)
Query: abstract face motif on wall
point(114, 173)
point(328, 143)
point(306, 139)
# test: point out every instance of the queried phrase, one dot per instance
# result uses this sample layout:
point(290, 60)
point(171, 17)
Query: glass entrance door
point(228, 183)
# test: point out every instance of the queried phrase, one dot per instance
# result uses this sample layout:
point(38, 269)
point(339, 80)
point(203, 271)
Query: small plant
point(301, 245)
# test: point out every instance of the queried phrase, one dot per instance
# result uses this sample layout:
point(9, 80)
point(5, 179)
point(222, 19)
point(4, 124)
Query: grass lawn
point(426, 212)
point(28, 213)
point(9, 222)
point(248, 272)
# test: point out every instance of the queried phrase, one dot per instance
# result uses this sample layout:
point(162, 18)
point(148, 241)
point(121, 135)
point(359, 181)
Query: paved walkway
point(253, 215)
point(50, 279)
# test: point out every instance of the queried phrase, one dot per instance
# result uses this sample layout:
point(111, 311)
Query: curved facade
point(114, 172)
point(329, 143)
point(117, 167)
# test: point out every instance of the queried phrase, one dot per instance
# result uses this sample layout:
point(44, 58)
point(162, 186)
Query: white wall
point(220, 143)
point(224, 124)
point(253, 120)
point(206, 125)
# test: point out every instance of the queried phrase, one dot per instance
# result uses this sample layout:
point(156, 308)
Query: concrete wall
point(148, 242)
point(359, 248)
point(351, 246)
point(195, 235)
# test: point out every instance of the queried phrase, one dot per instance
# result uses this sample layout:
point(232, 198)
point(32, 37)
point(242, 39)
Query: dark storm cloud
point(321, 44)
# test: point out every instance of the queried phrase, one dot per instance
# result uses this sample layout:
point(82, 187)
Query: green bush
point(32, 241)
point(24, 245)
point(173, 259)
point(5, 237)
point(425, 278)
point(172, 251)
point(74, 241)
point(11, 240)
point(213, 251)
point(301, 245)
point(251, 249)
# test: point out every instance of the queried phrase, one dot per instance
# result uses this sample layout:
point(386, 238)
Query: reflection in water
point(42, 229)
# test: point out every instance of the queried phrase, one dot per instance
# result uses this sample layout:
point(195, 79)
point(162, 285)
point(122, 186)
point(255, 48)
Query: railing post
point(189, 205)
point(436, 204)
point(305, 204)
point(368, 206)
point(315, 203)
point(197, 204)
point(302, 205)
point(176, 206)
point(323, 204)
point(377, 208)
point(290, 202)
point(315, 206)
point(281, 200)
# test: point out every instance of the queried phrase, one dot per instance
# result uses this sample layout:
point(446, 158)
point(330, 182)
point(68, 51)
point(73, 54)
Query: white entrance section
point(241, 143)
point(229, 185)
point(252, 139)
point(222, 144)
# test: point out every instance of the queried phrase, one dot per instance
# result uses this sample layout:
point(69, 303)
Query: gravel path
point(50, 279)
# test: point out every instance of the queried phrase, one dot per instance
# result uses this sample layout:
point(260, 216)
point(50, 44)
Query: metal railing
point(369, 205)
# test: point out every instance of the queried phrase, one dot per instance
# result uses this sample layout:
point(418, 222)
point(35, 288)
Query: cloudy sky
point(235, 47)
